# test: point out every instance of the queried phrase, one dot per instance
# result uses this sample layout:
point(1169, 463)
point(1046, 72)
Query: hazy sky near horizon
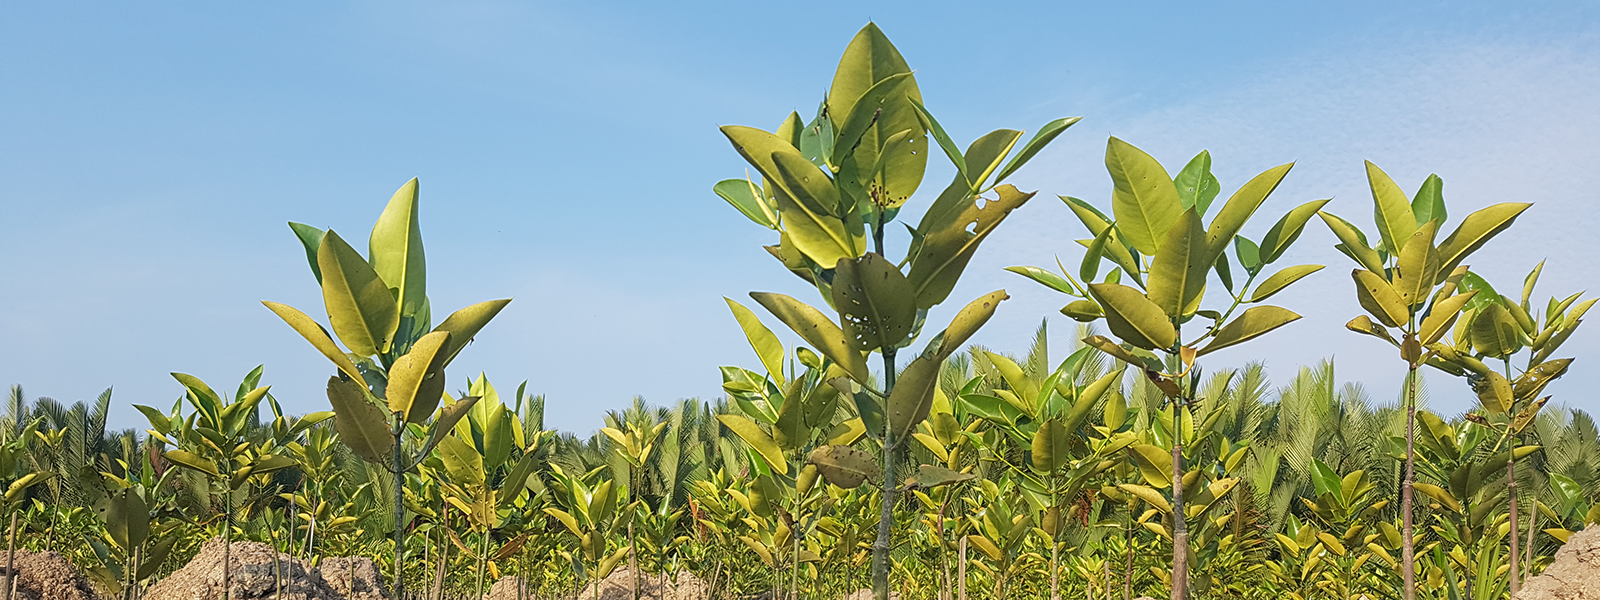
point(150, 155)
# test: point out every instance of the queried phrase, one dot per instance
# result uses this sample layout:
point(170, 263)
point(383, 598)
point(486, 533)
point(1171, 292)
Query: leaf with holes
point(844, 466)
point(875, 302)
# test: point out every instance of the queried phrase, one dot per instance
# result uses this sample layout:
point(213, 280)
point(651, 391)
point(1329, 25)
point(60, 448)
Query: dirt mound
point(619, 586)
point(1575, 575)
point(253, 577)
point(47, 576)
point(867, 595)
point(506, 589)
point(367, 583)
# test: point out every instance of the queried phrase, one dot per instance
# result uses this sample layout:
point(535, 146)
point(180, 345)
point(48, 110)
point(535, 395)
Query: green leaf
point(362, 426)
point(949, 146)
point(968, 320)
point(127, 519)
point(416, 380)
point(1392, 210)
point(822, 237)
point(912, 396)
point(464, 324)
point(1282, 279)
point(155, 557)
point(1046, 277)
point(1379, 299)
point(757, 439)
point(1417, 270)
point(1093, 220)
point(1495, 331)
point(884, 95)
point(360, 307)
point(1133, 317)
point(869, 60)
point(1178, 271)
point(1155, 464)
point(932, 476)
point(985, 153)
point(1288, 229)
point(1240, 206)
point(1254, 323)
point(498, 437)
point(1197, 187)
point(1353, 243)
point(1441, 315)
point(1144, 200)
point(762, 340)
point(807, 184)
point(310, 238)
point(817, 330)
point(1041, 139)
point(1090, 266)
point(1428, 204)
point(462, 461)
point(1248, 253)
point(1051, 446)
point(949, 246)
point(185, 458)
point(844, 466)
point(1475, 231)
point(745, 195)
point(395, 250)
point(447, 419)
point(875, 301)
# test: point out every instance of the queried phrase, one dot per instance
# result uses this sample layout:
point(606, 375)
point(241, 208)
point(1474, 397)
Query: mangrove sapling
point(16, 483)
point(1497, 328)
point(379, 308)
point(214, 441)
point(826, 187)
point(1161, 218)
point(1409, 283)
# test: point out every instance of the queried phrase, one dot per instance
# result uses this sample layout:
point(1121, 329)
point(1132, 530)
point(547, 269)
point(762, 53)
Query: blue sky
point(151, 154)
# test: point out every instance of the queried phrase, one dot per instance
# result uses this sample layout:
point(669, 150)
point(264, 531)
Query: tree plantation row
point(874, 448)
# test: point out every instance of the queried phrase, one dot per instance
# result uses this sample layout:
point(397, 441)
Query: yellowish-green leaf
point(1418, 267)
point(395, 249)
point(416, 380)
point(950, 245)
point(1442, 315)
point(1391, 210)
point(1282, 279)
point(1239, 208)
point(817, 330)
point(360, 306)
point(314, 333)
point(1144, 200)
point(843, 466)
point(1178, 271)
point(1475, 231)
point(362, 426)
point(1254, 323)
point(1287, 230)
point(1353, 242)
point(758, 440)
point(1379, 299)
point(1133, 317)
point(762, 340)
point(875, 301)
point(464, 324)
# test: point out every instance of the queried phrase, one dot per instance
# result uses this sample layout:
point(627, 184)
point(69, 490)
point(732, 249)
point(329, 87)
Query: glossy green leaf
point(127, 519)
point(464, 324)
point(932, 476)
point(745, 195)
point(1475, 231)
point(447, 419)
point(462, 461)
point(968, 320)
point(311, 239)
point(757, 439)
point(395, 250)
point(1495, 331)
point(867, 61)
point(1042, 138)
point(1353, 243)
point(1253, 323)
point(1379, 299)
point(1428, 204)
point(1155, 464)
point(416, 380)
point(1051, 446)
point(1287, 230)
point(875, 302)
point(360, 306)
point(1239, 208)
point(1441, 315)
point(1144, 200)
point(912, 397)
point(1178, 271)
point(1391, 210)
point(1282, 279)
point(767, 346)
point(985, 153)
point(185, 458)
point(1046, 277)
point(1134, 318)
point(1415, 273)
point(807, 184)
point(1197, 187)
point(949, 146)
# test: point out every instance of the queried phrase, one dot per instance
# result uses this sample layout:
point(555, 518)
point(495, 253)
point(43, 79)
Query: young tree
point(829, 186)
point(1408, 283)
point(1160, 217)
point(378, 306)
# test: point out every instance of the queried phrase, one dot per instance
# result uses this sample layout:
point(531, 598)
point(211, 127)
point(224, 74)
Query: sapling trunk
point(1408, 557)
point(880, 547)
point(483, 554)
point(1180, 524)
point(961, 569)
point(11, 557)
point(399, 507)
point(227, 536)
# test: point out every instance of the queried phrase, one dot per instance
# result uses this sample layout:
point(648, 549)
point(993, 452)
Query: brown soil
point(47, 576)
point(368, 584)
point(506, 589)
point(867, 595)
point(1575, 575)
point(619, 586)
point(253, 577)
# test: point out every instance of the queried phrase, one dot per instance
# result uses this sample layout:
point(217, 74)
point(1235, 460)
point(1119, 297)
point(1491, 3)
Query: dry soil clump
point(47, 576)
point(253, 577)
point(619, 586)
point(1575, 575)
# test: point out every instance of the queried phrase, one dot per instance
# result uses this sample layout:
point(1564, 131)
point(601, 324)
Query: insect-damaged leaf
point(844, 466)
point(817, 330)
point(875, 301)
point(952, 239)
